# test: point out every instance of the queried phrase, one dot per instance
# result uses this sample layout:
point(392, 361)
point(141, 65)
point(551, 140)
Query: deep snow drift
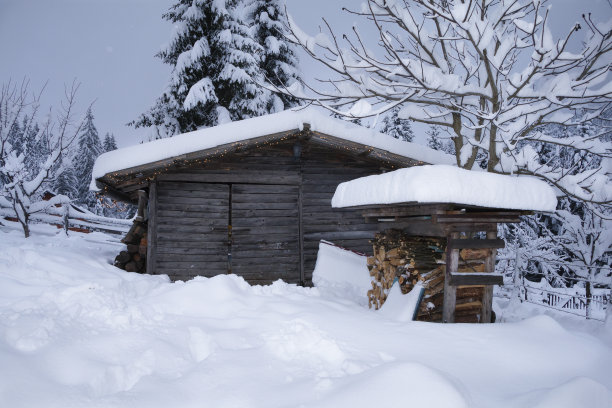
point(75, 331)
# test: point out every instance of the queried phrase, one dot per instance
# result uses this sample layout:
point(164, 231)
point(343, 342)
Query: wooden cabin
point(252, 197)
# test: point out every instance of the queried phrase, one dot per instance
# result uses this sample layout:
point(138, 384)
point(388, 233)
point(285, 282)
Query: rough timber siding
point(259, 190)
point(322, 171)
point(192, 221)
point(265, 232)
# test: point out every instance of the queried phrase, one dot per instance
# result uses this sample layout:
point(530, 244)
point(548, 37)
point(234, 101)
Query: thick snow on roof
point(447, 184)
point(288, 120)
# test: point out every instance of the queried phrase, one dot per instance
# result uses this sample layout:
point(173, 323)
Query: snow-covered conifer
point(433, 138)
point(239, 90)
point(66, 183)
point(37, 147)
point(89, 148)
point(399, 128)
point(109, 143)
point(278, 61)
point(216, 68)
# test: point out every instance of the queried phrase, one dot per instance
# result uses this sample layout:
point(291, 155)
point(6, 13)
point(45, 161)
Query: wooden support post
point(142, 202)
point(152, 229)
point(301, 231)
point(450, 292)
point(66, 217)
point(487, 296)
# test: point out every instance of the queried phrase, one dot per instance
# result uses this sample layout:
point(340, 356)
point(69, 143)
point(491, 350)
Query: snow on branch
point(20, 182)
point(491, 73)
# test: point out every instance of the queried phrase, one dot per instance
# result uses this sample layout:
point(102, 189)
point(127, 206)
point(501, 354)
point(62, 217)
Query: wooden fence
point(572, 300)
point(73, 218)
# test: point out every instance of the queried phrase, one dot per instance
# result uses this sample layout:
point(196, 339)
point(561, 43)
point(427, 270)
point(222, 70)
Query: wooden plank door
point(265, 232)
point(192, 229)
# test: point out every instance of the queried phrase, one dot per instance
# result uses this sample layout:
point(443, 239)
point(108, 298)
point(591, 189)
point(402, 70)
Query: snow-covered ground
point(75, 331)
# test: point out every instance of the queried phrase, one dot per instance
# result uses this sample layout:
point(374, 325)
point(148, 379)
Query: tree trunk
point(588, 299)
point(609, 310)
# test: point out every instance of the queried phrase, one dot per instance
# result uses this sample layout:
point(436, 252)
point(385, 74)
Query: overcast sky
point(109, 47)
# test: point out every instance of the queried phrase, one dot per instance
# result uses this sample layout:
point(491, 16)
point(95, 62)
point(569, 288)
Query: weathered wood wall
point(278, 206)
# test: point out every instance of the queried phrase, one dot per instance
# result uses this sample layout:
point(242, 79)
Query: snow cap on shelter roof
point(243, 130)
point(447, 184)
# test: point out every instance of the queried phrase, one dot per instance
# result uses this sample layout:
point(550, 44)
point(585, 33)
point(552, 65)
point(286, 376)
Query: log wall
point(277, 203)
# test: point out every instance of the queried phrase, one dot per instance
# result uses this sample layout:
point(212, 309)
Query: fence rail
point(71, 217)
point(572, 300)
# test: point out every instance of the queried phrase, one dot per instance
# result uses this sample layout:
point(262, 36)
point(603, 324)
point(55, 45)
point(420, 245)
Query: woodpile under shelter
point(250, 197)
point(438, 228)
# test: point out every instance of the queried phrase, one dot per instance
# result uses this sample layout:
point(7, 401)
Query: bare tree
point(19, 185)
point(489, 72)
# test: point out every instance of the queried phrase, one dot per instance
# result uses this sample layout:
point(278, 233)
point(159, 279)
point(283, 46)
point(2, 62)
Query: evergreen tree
point(278, 61)
point(217, 66)
point(437, 142)
point(433, 138)
point(15, 137)
point(37, 147)
point(66, 183)
point(89, 149)
point(109, 143)
point(396, 127)
point(240, 78)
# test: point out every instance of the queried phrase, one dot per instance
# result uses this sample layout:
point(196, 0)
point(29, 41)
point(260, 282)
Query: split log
point(410, 259)
point(133, 259)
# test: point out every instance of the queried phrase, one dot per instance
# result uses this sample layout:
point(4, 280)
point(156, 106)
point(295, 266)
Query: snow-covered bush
point(22, 172)
point(488, 73)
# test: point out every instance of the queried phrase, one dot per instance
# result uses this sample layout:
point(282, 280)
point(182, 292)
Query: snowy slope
point(447, 184)
point(232, 132)
point(75, 331)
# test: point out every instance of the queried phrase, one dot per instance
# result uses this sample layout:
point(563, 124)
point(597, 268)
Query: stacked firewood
point(469, 298)
point(405, 259)
point(410, 259)
point(133, 259)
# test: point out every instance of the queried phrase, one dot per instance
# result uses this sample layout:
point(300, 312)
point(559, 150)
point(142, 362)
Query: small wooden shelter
point(460, 281)
point(444, 233)
point(249, 197)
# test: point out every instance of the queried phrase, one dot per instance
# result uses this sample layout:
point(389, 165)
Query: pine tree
point(109, 143)
point(279, 61)
point(396, 127)
point(37, 147)
point(66, 183)
point(218, 66)
point(15, 137)
point(433, 138)
point(239, 81)
point(89, 149)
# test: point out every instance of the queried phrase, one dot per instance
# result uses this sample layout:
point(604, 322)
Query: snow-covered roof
point(447, 184)
point(244, 130)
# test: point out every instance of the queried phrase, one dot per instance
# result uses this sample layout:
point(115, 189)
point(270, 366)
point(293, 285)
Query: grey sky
point(109, 46)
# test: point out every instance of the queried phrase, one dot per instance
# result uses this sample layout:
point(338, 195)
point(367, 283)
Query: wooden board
point(265, 241)
point(192, 229)
point(475, 279)
point(474, 243)
point(279, 205)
